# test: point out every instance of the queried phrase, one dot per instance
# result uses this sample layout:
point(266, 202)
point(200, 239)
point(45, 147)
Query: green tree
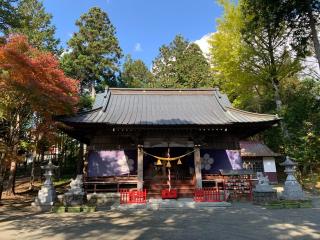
point(94, 51)
point(181, 64)
point(256, 61)
point(135, 74)
point(35, 23)
point(227, 54)
point(8, 15)
point(302, 118)
point(251, 56)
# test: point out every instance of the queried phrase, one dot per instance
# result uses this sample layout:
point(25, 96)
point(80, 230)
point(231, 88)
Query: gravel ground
point(241, 221)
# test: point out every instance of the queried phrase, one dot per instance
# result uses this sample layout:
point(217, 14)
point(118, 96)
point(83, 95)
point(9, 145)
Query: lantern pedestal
point(292, 188)
point(47, 195)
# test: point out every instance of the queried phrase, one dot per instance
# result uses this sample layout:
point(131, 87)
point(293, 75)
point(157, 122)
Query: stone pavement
point(241, 221)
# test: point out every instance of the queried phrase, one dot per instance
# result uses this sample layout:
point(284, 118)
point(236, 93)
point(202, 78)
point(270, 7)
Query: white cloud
point(310, 64)
point(204, 45)
point(310, 68)
point(66, 51)
point(137, 47)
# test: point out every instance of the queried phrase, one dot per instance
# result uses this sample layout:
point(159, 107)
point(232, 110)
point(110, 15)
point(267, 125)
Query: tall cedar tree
point(181, 64)
point(303, 18)
point(94, 51)
point(8, 15)
point(302, 117)
point(31, 84)
point(35, 23)
point(135, 74)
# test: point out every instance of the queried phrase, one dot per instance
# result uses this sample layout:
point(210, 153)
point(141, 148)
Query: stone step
point(151, 182)
point(183, 203)
point(187, 190)
point(156, 188)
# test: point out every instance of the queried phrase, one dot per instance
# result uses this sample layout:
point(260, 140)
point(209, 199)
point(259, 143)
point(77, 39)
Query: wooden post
point(140, 167)
point(197, 166)
point(80, 159)
point(85, 160)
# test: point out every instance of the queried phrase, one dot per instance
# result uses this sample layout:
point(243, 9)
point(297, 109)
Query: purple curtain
point(109, 163)
point(235, 159)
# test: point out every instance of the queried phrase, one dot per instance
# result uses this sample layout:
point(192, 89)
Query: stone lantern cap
point(288, 162)
point(49, 166)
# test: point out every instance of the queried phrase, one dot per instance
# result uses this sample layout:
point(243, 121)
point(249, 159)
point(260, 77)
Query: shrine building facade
point(152, 138)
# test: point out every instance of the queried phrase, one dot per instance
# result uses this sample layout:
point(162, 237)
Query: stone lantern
point(47, 195)
point(292, 188)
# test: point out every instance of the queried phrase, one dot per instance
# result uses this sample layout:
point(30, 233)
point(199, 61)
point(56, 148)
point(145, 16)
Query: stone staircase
point(185, 188)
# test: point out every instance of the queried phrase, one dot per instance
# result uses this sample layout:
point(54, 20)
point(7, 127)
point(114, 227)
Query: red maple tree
point(32, 90)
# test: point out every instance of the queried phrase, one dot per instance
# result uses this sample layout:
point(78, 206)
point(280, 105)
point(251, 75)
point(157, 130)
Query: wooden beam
point(140, 167)
point(197, 166)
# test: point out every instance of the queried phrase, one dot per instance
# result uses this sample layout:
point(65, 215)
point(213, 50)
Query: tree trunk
point(65, 155)
point(15, 131)
point(314, 33)
point(12, 178)
point(32, 177)
point(274, 77)
point(1, 182)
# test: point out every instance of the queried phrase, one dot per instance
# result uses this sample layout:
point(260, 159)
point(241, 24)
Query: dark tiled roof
point(125, 106)
point(256, 149)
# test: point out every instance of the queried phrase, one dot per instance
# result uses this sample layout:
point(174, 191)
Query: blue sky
point(142, 25)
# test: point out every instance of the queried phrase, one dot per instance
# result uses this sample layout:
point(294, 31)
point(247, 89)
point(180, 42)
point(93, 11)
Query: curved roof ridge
point(165, 89)
point(157, 107)
point(252, 113)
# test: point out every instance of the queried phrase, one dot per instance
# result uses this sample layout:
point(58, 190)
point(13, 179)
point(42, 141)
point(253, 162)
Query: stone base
point(263, 188)
point(70, 199)
point(41, 208)
point(293, 191)
point(46, 196)
point(101, 199)
point(264, 197)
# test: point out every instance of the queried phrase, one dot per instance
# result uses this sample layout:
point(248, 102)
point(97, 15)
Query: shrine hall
point(167, 143)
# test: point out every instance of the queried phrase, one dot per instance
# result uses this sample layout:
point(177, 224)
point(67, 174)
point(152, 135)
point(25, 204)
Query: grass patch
point(280, 204)
point(73, 209)
point(89, 209)
point(62, 181)
point(58, 209)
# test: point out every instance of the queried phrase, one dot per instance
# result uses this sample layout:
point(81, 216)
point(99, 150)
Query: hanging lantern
point(159, 163)
point(179, 162)
point(168, 164)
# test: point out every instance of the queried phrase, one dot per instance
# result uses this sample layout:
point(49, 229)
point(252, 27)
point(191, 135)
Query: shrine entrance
point(162, 174)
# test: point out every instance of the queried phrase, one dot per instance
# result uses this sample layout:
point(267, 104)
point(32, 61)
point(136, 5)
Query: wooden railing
point(130, 196)
point(209, 195)
point(113, 183)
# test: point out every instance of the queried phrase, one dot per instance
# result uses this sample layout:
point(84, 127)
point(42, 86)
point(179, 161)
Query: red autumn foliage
point(36, 74)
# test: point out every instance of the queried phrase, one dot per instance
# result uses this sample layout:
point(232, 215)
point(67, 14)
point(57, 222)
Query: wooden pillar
point(140, 167)
point(197, 166)
point(80, 159)
point(85, 160)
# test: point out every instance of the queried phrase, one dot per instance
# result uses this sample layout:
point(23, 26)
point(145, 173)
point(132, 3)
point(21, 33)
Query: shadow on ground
point(242, 221)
